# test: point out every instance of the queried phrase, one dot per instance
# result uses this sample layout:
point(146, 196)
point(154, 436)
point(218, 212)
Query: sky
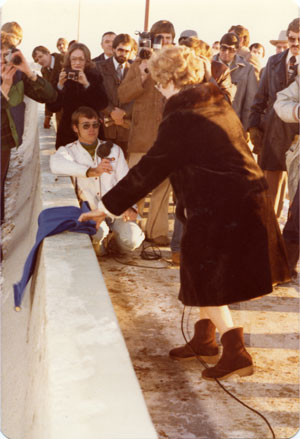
point(44, 21)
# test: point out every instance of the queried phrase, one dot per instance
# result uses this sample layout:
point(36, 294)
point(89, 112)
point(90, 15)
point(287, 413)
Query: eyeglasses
point(293, 39)
point(79, 59)
point(87, 125)
point(227, 49)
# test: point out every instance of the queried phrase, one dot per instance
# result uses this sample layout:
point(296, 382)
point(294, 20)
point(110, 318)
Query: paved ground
point(182, 405)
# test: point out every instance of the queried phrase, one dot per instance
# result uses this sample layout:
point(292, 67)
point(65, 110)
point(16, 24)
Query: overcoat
point(243, 77)
point(147, 108)
point(74, 95)
point(111, 82)
point(278, 135)
point(231, 248)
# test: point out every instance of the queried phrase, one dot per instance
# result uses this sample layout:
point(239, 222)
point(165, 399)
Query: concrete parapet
point(80, 380)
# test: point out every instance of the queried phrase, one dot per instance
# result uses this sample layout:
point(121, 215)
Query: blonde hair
point(200, 47)
point(178, 64)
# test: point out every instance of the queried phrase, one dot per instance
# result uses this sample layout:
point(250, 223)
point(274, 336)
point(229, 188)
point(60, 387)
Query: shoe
point(235, 359)
point(203, 344)
point(176, 258)
point(160, 240)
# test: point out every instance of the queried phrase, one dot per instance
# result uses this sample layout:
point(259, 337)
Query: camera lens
point(17, 60)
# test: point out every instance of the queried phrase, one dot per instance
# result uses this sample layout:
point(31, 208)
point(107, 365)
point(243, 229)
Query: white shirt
point(116, 64)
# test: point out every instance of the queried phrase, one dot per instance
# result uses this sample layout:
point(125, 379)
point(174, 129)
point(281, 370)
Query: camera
point(9, 57)
point(72, 74)
point(148, 42)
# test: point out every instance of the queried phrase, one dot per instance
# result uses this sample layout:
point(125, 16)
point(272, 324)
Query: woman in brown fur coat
point(231, 248)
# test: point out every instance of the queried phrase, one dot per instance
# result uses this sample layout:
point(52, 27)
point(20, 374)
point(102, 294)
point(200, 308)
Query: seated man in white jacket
point(96, 167)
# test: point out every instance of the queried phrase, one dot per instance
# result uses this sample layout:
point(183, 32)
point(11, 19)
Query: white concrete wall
point(80, 382)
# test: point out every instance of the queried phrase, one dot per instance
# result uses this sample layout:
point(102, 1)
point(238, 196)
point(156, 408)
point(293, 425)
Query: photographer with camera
point(17, 80)
point(51, 64)
point(79, 83)
point(139, 87)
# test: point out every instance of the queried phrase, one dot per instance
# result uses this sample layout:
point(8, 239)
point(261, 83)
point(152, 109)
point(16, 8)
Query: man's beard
point(121, 59)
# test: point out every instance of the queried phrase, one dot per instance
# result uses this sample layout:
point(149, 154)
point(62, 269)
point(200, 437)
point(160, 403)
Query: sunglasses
point(228, 49)
point(293, 39)
point(87, 125)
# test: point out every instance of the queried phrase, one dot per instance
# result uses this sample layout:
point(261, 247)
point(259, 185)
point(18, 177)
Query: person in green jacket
point(17, 80)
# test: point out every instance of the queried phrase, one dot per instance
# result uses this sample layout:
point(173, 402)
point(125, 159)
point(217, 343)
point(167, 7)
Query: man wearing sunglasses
point(95, 167)
point(242, 75)
point(269, 134)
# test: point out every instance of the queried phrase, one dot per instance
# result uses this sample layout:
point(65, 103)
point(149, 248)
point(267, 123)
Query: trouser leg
point(5, 157)
point(277, 182)
point(158, 216)
point(128, 234)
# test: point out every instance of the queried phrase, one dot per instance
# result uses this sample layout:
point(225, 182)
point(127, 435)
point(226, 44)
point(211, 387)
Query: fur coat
point(231, 248)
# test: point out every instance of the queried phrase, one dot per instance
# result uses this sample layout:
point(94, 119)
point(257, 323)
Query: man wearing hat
point(270, 136)
point(242, 75)
point(282, 43)
point(187, 34)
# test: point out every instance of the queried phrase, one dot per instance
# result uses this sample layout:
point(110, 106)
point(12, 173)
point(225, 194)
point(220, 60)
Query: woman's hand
point(62, 78)
point(95, 215)
point(129, 215)
point(82, 79)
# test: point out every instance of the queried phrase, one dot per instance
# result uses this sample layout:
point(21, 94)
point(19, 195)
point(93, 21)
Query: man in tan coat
point(148, 103)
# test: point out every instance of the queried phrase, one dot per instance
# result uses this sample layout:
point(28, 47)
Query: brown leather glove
point(256, 137)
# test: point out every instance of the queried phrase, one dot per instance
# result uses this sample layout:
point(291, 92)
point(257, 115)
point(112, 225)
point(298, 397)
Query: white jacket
point(74, 161)
point(286, 107)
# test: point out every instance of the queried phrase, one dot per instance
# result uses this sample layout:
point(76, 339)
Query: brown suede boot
point(203, 344)
point(235, 358)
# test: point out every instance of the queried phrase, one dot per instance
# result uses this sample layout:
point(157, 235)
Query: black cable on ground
point(149, 252)
point(220, 384)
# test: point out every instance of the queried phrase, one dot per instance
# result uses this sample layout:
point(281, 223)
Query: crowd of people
point(207, 123)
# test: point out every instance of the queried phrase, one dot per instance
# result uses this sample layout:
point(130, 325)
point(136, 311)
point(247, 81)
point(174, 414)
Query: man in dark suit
point(51, 67)
point(107, 46)
point(116, 116)
point(270, 136)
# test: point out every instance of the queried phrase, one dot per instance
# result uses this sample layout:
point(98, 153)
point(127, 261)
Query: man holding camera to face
point(148, 103)
point(17, 80)
point(51, 64)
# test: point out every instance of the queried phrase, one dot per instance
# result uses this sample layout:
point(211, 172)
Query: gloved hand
point(256, 137)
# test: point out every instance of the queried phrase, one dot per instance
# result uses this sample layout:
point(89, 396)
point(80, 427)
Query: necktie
point(292, 70)
point(120, 72)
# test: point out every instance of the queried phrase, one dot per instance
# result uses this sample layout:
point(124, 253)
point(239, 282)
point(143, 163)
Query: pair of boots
point(234, 359)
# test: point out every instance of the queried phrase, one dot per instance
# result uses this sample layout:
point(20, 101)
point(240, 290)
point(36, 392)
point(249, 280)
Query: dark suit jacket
point(52, 75)
point(99, 58)
point(111, 83)
point(278, 135)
